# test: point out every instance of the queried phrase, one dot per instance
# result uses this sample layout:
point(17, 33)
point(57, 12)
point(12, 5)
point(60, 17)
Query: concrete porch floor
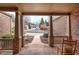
point(38, 48)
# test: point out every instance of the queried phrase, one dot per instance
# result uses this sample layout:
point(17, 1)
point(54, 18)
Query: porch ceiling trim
point(44, 13)
point(8, 8)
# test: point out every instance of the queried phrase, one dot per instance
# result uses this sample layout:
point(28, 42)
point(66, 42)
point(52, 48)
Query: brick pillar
point(51, 37)
point(15, 46)
point(16, 40)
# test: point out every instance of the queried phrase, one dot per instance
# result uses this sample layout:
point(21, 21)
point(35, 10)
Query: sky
point(37, 19)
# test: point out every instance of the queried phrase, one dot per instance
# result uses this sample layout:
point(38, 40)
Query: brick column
point(51, 37)
point(16, 40)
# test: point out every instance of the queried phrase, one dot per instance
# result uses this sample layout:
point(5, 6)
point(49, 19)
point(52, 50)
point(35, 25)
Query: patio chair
point(68, 47)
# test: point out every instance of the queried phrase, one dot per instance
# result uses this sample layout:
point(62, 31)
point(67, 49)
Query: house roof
point(5, 13)
point(57, 18)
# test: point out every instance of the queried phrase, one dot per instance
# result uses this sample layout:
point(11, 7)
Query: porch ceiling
point(44, 7)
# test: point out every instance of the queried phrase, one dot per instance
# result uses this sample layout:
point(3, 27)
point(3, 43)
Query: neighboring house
point(26, 21)
point(60, 26)
point(5, 24)
point(26, 27)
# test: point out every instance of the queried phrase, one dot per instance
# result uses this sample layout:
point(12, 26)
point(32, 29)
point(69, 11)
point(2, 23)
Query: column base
point(15, 52)
point(51, 41)
point(16, 46)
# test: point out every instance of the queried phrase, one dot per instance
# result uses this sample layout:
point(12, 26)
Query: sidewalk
point(36, 40)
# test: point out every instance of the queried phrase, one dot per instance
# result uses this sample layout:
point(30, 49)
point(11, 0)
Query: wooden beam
point(44, 13)
point(70, 32)
point(8, 8)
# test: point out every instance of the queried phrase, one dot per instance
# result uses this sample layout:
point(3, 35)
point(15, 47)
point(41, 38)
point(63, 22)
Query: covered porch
point(70, 10)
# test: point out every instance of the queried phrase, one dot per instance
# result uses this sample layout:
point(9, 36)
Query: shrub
point(8, 36)
point(45, 35)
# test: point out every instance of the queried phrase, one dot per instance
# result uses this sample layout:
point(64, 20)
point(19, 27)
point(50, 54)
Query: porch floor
point(38, 48)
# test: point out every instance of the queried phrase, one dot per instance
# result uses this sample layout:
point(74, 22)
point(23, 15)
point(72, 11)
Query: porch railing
point(6, 44)
point(59, 39)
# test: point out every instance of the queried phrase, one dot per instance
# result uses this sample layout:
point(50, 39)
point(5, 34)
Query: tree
point(47, 23)
point(29, 25)
point(42, 21)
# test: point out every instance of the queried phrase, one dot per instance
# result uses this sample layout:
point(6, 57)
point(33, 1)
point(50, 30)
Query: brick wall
point(75, 24)
point(60, 26)
point(4, 24)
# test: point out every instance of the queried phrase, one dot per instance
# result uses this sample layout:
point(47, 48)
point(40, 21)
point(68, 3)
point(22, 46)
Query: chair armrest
point(77, 51)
